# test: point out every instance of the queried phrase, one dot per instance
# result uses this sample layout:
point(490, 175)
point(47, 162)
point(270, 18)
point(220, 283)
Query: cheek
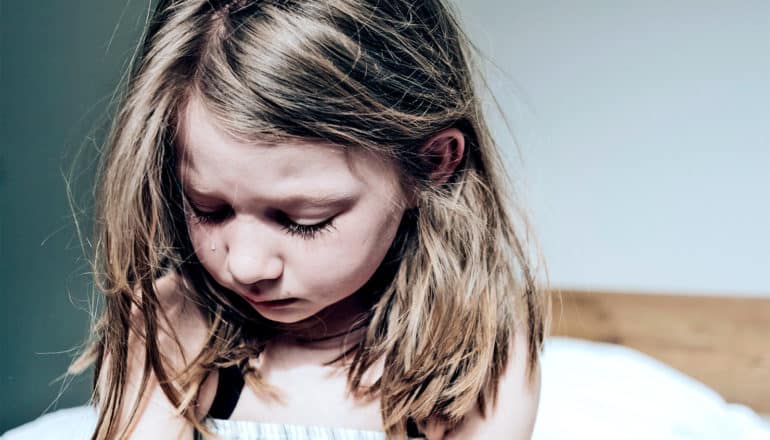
point(206, 248)
point(343, 264)
point(197, 238)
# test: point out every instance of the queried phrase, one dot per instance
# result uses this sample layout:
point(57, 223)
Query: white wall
point(644, 134)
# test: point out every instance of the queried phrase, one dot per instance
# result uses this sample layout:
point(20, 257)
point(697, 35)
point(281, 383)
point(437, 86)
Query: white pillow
point(66, 424)
point(603, 391)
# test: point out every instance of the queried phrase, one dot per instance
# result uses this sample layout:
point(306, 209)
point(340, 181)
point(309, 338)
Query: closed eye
point(208, 217)
point(304, 231)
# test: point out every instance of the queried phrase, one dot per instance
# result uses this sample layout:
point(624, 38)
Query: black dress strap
point(229, 386)
point(412, 430)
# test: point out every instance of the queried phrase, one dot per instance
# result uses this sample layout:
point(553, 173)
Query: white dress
point(247, 430)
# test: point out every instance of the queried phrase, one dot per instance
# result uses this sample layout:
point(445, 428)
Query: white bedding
point(589, 391)
point(593, 390)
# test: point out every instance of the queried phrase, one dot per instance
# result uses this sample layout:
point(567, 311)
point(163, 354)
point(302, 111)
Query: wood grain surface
point(722, 341)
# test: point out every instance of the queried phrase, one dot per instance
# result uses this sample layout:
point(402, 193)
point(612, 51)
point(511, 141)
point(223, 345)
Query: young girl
point(304, 231)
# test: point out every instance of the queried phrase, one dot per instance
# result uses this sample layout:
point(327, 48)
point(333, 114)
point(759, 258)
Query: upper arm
point(513, 417)
point(156, 417)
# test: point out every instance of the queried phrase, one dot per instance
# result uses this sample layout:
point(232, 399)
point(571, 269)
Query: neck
point(335, 329)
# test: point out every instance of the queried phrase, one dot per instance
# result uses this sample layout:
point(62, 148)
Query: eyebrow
point(291, 201)
point(320, 201)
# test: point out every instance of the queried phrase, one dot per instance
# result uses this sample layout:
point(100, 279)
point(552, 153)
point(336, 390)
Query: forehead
point(210, 158)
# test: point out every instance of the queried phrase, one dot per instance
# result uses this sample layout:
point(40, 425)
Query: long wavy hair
point(383, 76)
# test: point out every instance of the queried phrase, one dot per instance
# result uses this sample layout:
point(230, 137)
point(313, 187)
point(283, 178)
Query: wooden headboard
point(722, 341)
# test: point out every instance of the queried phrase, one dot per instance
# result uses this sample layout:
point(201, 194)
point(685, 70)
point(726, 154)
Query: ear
point(444, 150)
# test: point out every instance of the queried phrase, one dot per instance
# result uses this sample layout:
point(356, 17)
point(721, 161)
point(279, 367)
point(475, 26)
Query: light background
point(644, 132)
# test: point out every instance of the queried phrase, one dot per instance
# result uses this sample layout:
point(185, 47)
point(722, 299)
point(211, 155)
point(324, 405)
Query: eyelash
point(306, 232)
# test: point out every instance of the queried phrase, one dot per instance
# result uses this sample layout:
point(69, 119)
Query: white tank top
point(248, 430)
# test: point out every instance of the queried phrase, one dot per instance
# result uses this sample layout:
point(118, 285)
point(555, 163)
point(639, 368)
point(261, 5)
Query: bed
point(633, 365)
point(722, 341)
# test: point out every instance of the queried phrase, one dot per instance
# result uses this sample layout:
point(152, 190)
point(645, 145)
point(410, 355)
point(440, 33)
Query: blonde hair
point(373, 75)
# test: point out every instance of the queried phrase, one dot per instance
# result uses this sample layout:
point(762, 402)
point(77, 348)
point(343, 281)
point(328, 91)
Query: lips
point(267, 303)
point(276, 302)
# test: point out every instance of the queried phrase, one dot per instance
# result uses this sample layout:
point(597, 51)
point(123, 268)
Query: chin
point(291, 313)
point(283, 318)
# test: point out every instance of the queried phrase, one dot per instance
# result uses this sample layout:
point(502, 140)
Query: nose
point(252, 257)
point(246, 269)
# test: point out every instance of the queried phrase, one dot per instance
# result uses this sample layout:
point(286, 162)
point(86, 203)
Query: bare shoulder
point(513, 417)
point(182, 328)
point(181, 337)
point(185, 320)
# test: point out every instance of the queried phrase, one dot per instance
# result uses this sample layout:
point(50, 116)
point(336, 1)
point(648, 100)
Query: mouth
point(271, 304)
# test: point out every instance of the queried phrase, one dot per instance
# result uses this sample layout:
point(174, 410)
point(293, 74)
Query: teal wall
point(60, 63)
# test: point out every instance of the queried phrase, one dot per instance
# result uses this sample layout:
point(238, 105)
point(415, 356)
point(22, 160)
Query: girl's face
point(292, 228)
